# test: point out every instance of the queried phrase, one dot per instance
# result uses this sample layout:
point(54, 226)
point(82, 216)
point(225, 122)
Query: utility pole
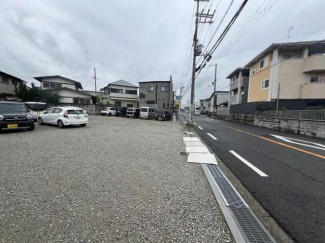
point(180, 96)
point(215, 83)
point(95, 81)
point(196, 53)
point(277, 100)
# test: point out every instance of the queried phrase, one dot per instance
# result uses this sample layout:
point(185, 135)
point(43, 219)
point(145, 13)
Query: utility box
point(199, 49)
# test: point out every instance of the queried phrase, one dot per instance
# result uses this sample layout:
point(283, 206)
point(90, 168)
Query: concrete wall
point(7, 88)
point(307, 128)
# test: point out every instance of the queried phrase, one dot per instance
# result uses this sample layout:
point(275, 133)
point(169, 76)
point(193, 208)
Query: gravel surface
point(116, 180)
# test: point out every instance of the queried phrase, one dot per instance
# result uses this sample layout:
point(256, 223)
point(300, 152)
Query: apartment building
point(157, 94)
point(205, 105)
point(290, 71)
point(7, 86)
point(238, 85)
point(70, 91)
point(217, 100)
point(121, 94)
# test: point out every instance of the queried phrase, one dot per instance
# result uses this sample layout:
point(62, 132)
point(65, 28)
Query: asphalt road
point(288, 179)
point(115, 180)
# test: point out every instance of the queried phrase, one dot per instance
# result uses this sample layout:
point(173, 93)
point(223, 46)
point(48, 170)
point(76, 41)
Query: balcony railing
point(314, 63)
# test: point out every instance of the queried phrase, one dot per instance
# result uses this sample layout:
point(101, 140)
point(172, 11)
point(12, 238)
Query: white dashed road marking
point(257, 170)
point(200, 127)
point(212, 136)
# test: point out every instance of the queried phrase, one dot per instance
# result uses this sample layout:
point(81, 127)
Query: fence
point(318, 115)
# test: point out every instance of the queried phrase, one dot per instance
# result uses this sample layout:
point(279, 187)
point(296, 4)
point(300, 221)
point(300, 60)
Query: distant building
point(205, 105)
point(218, 99)
point(121, 94)
point(298, 67)
point(7, 86)
point(238, 86)
point(70, 91)
point(157, 94)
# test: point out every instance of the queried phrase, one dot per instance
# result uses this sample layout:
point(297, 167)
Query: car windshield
point(144, 109)
point(12, 108)
point(129, 110)
point(36, 107)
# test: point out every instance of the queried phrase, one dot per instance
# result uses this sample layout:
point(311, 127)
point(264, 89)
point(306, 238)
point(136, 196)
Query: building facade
point(121, 94)
point(70, 91)
point(238, 86)
point(157, 94)
point(205, 105)
point(290, 71)
point(7, 86)
point(218, 99)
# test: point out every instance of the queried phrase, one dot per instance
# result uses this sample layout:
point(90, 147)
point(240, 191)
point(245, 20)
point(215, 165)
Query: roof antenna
point(289, 31)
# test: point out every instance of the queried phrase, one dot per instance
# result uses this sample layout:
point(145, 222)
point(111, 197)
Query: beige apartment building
point(297, 68)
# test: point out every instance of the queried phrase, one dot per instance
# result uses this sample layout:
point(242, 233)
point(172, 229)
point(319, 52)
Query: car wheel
point(31, 128)
point(103, 114)
point(40, 121)
point(60, 124)
point(156, 119)
point(83, 125)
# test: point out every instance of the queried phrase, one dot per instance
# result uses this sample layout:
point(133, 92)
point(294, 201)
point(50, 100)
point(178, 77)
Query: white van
point(147, 113)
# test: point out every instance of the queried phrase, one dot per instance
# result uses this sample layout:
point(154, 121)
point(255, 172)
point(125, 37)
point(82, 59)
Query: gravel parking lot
point(117, 179)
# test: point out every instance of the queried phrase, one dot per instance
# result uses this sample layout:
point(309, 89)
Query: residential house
point(70, 91)
point(157, 94)
point(290, 71)
point(7, 86)
point(121, 94)
point(238, 86)
point(218, 100)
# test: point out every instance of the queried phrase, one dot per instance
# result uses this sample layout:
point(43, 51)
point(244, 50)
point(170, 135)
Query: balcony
point(314, 63)
point(313, 91)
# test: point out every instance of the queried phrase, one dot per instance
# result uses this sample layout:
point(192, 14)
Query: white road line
point(304, 143)
point(257, 170)
point(212, 136)
point(200, 127)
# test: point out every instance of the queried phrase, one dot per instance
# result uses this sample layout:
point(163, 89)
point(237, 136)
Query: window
point(129, 105)
point(46, 85)
point(164, 105)
point(75, 100)
point(313, 79)
point(253, 72)
point(131, 92)
point(14, 82)
point(265, 84)
point(5, 80)
point(52, 85)
point(151, 102)
point(87, 101)
point(165, 89)
point(263, 63)
point(57, 110)
point(144, 110)
point(142, 90)
point(119, 91)
point(150, 89)
point(151, 110)
point(112, 109)
point(118, 103)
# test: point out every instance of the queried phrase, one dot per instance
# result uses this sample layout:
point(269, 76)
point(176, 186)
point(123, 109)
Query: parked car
point(63, 116)
point(133, 112)
point(197, 111)
point(35, 108)
point(14, 115)
point(121, 111)
point(147, 113)
point(163, 115)
point(108, 111)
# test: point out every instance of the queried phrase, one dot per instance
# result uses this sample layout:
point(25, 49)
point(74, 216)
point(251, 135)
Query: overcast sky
point(141, 40)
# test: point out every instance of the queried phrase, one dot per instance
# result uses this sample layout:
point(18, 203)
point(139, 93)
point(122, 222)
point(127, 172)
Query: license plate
point(12, 126)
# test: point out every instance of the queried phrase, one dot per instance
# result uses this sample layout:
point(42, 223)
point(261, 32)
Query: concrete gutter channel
point(248, 222)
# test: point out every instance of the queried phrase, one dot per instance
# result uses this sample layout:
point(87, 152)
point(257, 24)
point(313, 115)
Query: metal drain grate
point(249, 224)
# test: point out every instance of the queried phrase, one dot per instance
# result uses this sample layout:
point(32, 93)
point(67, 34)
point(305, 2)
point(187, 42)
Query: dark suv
point(14, 115)
point(163, 115)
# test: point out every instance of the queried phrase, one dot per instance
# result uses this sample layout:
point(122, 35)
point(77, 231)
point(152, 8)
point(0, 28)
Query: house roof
point(292, 46)
point(155, 81)
point(40, 79)
point(73, 90)
point(237, 70)
point(11, 76)
point(122, 82)
point(218, 92)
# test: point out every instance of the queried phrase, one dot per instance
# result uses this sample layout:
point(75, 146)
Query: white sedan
point(63, 116)
point(108, 111)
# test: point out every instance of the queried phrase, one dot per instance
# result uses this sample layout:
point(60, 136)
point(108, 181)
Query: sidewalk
point(122, 180)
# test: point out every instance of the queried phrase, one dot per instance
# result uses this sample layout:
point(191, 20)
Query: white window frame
point(253, 72)
point(263, 82)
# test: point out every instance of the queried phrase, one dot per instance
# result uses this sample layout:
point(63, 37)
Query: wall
point(67, 96)
point(255, 82)
point(314, 91)
point(7, 88)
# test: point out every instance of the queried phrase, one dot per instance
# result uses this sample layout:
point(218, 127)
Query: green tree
point(34, 93)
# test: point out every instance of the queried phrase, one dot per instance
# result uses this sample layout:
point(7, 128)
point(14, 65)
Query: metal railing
point(317, 115)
